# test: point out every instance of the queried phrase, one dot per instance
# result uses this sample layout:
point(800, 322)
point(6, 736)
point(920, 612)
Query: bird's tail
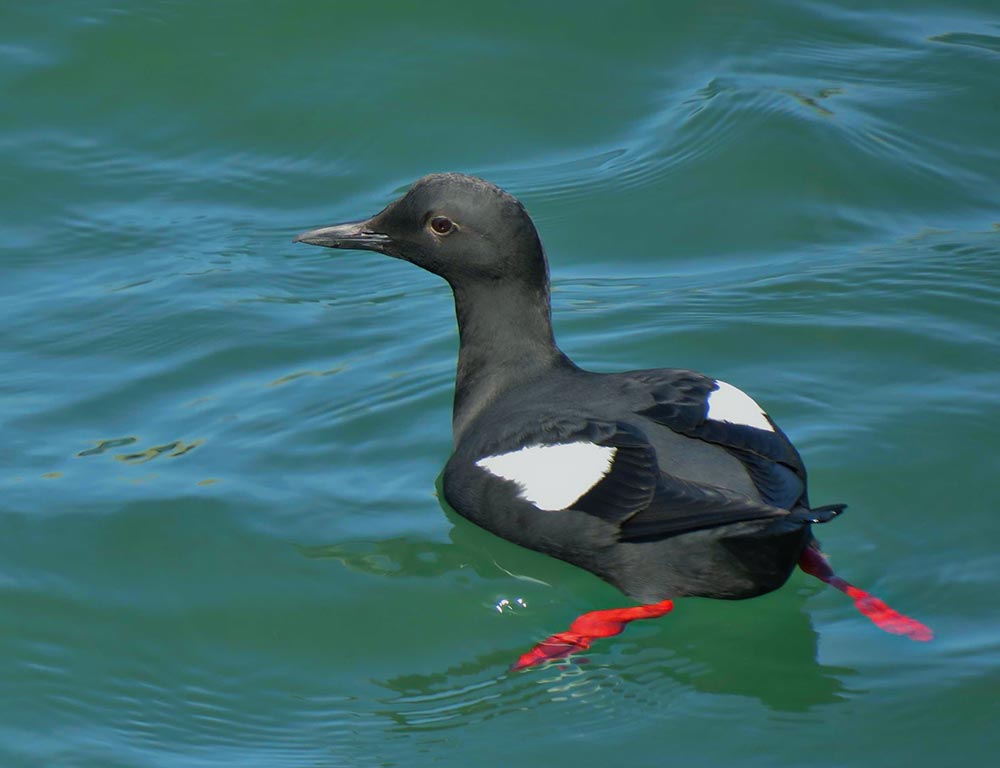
point(823, 514)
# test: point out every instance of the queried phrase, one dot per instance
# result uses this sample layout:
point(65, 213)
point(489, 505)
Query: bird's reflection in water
point(639, 677)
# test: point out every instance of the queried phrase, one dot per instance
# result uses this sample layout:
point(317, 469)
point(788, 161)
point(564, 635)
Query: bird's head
point(459, 227)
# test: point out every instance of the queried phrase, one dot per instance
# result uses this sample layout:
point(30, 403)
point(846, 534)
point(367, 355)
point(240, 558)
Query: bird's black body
point(678, 514)
point(685, 486)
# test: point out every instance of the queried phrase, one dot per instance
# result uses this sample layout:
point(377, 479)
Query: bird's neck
point(505, 338)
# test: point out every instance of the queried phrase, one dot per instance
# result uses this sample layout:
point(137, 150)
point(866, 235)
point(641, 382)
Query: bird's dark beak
point(356, 235)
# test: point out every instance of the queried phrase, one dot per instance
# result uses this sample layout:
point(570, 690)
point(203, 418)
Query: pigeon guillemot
point(664, 482)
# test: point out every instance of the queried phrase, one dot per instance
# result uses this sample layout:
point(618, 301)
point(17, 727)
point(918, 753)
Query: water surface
point(222, 544)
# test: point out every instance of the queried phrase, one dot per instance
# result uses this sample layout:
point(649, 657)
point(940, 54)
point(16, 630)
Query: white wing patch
point(735, 406)
point(552, 477)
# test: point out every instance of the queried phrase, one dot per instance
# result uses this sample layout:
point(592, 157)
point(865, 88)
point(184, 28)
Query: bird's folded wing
point(631, 492)
point(681, 506)
point(680, 402)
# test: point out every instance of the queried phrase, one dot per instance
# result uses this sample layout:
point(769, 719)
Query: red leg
point(587, 628)
point(815, 564)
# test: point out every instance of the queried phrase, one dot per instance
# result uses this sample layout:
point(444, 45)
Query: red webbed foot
point(587, 628)
point(882, 616)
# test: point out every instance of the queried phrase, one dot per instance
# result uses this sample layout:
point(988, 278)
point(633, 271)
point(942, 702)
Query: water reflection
point(779, 672)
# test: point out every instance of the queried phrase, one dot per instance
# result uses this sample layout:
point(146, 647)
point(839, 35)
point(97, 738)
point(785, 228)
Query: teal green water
point(221, 543)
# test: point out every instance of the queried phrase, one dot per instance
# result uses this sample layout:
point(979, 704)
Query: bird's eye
point(442, 225)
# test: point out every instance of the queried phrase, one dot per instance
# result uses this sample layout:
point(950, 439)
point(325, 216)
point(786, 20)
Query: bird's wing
point(697, 406)
point(609, 470)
